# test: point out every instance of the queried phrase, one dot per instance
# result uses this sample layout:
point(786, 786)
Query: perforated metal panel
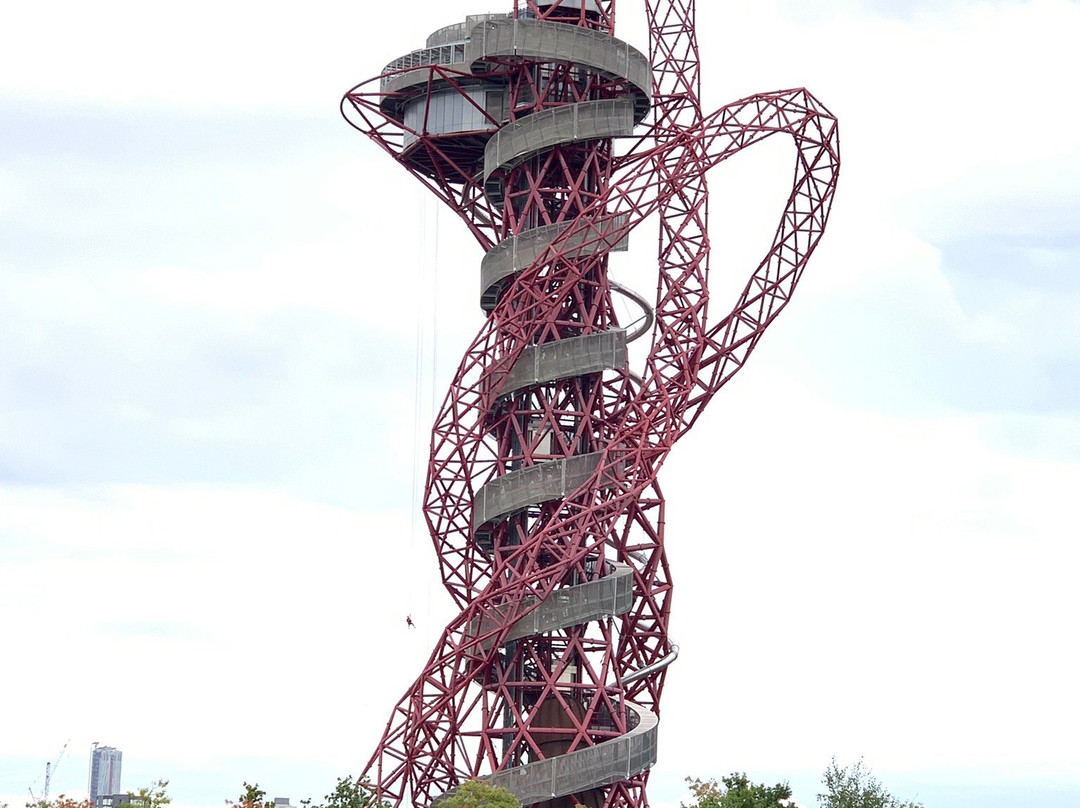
point(531, 486)
point(570, 606)
point(513, 254)
point(545, 41)
point(579, 771)
point(565, 358)
point(591, 120)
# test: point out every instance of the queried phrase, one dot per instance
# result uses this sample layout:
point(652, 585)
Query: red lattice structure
point(553, 140)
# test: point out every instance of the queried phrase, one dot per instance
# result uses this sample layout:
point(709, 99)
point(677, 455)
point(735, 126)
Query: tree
point(60, 802)
point(253, 797)
point(477, 794)
point(348, 793)
point(737, 792)
point(153, 796)
point(856, 787)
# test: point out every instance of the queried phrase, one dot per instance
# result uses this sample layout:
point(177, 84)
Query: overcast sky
point(212, 297)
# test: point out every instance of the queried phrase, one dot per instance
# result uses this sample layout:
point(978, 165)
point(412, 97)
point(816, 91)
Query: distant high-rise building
point(104, 772)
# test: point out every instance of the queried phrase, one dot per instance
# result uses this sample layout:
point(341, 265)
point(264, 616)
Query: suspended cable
point(418, 406)
point(424, 402)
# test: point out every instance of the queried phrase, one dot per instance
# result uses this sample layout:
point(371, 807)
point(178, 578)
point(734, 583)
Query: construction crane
point(50, 770)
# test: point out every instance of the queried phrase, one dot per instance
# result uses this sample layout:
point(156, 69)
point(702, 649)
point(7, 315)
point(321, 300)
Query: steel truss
point(542, 497)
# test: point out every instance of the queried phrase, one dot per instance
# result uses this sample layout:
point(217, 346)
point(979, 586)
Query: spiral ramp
point(443, 133)
point(609, 596)
point(585, 769)
point(605, 763)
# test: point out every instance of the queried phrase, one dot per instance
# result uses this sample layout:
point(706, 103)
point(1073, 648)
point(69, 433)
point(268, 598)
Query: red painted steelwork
point(487, 701)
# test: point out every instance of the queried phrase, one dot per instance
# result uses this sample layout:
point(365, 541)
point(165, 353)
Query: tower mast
point(552, 140)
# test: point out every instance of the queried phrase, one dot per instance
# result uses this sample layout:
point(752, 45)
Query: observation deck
point(453, 95)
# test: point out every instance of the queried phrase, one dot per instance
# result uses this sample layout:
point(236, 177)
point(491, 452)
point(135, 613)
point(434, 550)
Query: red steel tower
point(553, 140)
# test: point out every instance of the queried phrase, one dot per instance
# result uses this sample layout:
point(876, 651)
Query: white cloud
point(883, 587)
point(201, 608)
point(237, 54)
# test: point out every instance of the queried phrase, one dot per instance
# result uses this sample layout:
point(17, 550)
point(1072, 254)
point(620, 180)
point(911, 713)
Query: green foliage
point(153, 796)
point(707, 793)
point(348, 793)
point(856, 787)
point(476, 794)
point(253, 797)
point(60, 802)
point(737, 792)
